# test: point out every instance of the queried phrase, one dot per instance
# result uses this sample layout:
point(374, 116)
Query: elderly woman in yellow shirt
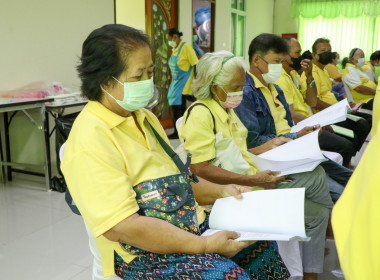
point(362, 88)
point(218, 88)
point(117, 149)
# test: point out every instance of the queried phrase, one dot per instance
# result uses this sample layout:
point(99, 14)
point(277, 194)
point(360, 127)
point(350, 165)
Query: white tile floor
point(41, 239)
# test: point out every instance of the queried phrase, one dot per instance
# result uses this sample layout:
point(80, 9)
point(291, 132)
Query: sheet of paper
point(286, 167)
point(278, 214)
point(304, 147)
point(333, 114)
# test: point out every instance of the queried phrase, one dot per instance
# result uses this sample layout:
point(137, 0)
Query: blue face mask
point(136, 94)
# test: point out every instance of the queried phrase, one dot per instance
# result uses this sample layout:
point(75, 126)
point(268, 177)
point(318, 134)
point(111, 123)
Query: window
point(238, 14)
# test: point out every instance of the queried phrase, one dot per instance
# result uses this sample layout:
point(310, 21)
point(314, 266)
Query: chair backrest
point(178, 122)
point(61, 151)
point(348, 92)
point(68, 198)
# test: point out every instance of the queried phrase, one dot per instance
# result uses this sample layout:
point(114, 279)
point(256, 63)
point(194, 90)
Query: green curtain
point(334, 8)
point(344, 33)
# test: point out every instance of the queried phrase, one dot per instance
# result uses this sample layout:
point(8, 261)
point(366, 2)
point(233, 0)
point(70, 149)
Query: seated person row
point(369, 67)
point(112, 148)
point(361, 87)
point(299, 106)
point(321, 50)
point(264, 110)
point(218, 89)
point(336, 77)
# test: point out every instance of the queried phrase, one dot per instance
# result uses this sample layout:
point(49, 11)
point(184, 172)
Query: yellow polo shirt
point(333, 71)
point(292, 94)
point(356, 217)
point(324, 85)
point(199, 134)
point(295, 78)
point(105, 156)
point(187, 58)
point(354, 77)
point(275, 106)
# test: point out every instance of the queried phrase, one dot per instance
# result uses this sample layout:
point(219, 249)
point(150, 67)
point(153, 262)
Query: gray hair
point(214, 68)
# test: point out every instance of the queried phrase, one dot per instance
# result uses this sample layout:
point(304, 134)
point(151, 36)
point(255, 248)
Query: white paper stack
point(261, 215)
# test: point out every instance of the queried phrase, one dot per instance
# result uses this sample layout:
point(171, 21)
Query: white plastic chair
point(334, 156)
point(97, 270)
point(178, 122)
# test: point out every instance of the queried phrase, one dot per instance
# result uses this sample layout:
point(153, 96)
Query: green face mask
point(195, 38)
point(136, 94)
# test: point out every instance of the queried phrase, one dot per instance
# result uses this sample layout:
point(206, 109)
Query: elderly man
point(298, 105)
point(325, 98)
point(264, 110)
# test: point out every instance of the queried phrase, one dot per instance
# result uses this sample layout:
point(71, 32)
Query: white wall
point(41, 40)
point(259, 20)
point(282, 21)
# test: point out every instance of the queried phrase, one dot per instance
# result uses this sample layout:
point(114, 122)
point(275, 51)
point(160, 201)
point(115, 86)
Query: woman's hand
point(307, 130)
point(233, 190)
point(267, 179)
point(223, 243)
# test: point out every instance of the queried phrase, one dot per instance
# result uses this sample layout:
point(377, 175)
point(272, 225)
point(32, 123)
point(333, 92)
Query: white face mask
point(172, 44)
point(361, 62)
point(274, 73)
point(136, 94)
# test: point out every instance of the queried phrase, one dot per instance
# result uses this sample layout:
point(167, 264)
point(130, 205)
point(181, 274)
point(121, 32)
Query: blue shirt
point(255, 114)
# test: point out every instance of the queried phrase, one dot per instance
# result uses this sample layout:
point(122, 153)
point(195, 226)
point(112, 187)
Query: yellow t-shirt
point(275, 106)
point(354, 77)
point(333, 71)
point(292, 94)
point(324, 85)
point(199, 134)
point(105, 156)
point(356, 218)
point(187, 58)
point(376, 110)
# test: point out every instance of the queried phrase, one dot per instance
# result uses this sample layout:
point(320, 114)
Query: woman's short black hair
point(104, 55)
point(174, 31)
point(266, 42)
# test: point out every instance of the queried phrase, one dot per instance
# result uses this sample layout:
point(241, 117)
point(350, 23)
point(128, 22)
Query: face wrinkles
point(140, 65)
point(323, 47)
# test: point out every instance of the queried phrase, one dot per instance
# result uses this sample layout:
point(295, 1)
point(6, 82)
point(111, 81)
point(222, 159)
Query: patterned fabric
point(259, 261)
point(262, 261)
point(167, 198)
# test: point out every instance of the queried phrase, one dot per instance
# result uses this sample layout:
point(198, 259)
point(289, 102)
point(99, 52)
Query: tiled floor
point(41, 239)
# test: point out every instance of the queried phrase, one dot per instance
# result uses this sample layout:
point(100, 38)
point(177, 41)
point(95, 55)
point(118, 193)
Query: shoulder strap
point(184, 168)
point(200, 104)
